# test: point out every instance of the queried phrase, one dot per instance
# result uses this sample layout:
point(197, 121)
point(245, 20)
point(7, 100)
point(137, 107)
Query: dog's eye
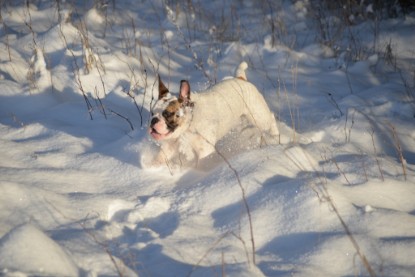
point(167, 114)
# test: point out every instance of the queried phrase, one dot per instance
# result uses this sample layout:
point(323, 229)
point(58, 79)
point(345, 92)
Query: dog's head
point(169, 112)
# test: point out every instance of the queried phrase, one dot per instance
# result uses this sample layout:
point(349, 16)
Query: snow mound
point(78, 82)
point(27, 249)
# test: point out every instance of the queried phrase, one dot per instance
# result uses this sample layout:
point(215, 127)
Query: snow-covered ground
point(77, 197)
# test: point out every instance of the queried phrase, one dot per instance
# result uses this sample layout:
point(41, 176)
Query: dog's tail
point(240, 71)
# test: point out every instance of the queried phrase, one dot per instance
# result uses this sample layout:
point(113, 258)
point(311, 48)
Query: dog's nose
point(154, 121)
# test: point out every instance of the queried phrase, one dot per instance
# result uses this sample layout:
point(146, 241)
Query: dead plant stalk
point(325, 195)
point(399, 150)
point(376, 154)
point(245, 202)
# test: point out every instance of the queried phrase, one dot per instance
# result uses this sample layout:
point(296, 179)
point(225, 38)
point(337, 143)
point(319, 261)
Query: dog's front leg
point(164, 155)
point(202, 147)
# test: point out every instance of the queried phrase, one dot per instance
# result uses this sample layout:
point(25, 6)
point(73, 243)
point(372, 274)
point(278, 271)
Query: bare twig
point(334, 102)
point(294, 73)
point(29, 25)
point(292, 116)
point(349, 83)
point(244, 199)
point(341, 171)
point(196, 265)
point(376, 155)
point(349, 133)
point(77, 73)
point(245, 202)
point(243, 244)
point(126, 118)
point(325, 195)
point(104, 247)
point(7, 36)
point(101, 105)
point(349, 234)
point(91, 235)
point(399, 150)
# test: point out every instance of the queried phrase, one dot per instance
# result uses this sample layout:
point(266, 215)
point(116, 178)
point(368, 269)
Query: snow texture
point(77, 198)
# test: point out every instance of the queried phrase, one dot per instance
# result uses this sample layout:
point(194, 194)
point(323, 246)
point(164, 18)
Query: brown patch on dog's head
point(173, 115)
point(174, 111)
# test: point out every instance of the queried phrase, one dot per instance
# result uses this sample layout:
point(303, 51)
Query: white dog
point(191, 125)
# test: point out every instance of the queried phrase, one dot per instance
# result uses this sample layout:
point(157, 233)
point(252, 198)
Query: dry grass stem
point(399, 150)
point(376, 154)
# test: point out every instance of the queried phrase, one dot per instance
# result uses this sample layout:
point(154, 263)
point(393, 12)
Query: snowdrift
point(77, 83)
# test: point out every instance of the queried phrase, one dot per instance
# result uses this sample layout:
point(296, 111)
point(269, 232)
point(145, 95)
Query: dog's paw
point(152, 164)
point(158, 164)
point(148, 160)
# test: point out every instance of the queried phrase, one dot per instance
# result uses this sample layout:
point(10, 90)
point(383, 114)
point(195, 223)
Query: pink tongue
point(156, 135)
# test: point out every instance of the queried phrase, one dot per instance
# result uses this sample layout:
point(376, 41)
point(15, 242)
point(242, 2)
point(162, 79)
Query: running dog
point(192, 124)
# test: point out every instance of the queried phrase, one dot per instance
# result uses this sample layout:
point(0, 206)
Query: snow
point(28, 249)
point(77, 194)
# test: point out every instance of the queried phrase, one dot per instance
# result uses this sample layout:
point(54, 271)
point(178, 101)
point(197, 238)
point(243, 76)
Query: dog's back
point(229, 100)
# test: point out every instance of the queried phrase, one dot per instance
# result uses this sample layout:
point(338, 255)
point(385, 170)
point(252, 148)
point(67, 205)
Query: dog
point(191, 124)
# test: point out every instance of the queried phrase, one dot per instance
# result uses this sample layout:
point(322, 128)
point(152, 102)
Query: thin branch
point(126, 118)
point(399, 150)
point(341, 171)
point(376, 154)
point(245, 202)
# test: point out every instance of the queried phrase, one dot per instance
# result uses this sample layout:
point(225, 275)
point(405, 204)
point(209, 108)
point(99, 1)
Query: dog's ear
point(184, 96)
point(162, 89)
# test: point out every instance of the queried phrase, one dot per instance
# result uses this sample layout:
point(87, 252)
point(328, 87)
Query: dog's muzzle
point(158, 129)
point(154, 121)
